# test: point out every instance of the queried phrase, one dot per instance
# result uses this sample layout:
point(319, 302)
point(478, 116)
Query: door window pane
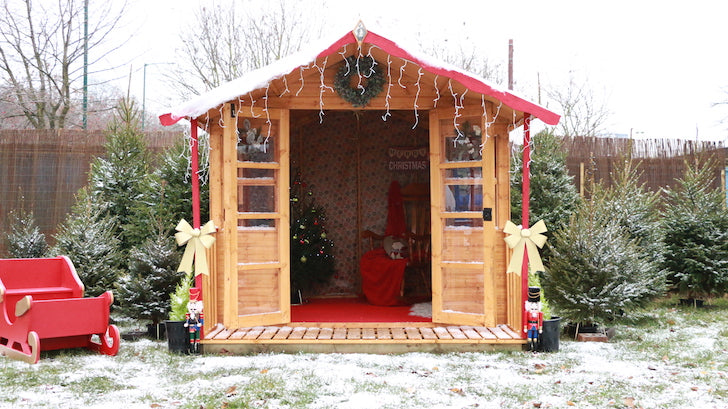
point(462, 140)
point(257, 140)
point(260, 199)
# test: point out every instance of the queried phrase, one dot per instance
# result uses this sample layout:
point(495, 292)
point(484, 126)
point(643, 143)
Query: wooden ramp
point(380, 338)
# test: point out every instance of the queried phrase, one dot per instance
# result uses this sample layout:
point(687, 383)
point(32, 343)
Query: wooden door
point(462, 196)
point(260, 287)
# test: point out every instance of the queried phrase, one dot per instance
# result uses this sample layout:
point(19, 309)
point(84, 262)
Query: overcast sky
point(659, 65)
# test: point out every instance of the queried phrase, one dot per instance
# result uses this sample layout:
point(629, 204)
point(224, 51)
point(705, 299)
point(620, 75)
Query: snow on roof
point(261, 77)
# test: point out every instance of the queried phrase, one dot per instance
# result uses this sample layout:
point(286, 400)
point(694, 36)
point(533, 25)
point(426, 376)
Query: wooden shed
point(319, 113)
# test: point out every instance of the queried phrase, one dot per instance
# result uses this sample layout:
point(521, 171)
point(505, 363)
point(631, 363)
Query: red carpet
point(350, 310)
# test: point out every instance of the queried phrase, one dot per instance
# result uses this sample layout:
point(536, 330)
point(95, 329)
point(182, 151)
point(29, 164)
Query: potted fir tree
point(144, 293)
point(177, 335)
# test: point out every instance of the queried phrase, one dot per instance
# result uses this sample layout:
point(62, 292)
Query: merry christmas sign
point(408, 159)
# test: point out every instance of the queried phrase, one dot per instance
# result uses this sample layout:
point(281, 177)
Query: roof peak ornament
point(360, 32)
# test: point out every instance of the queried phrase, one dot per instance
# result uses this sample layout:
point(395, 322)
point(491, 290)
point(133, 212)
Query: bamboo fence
point(660, 161)
point(42, 170)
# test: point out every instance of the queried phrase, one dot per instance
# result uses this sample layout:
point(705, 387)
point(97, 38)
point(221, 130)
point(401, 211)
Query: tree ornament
point(303, 259)
point(366, 67)
point(323, 235)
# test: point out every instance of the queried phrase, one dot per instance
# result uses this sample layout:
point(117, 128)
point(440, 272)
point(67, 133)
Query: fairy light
point(300, 70)
point(401, 74)
point(322, 88)
point(252, 103)
point(241, 101)
point(285, 82)
point(358, 74)
point(267, 115)
point(486, 130)
point(221, 121)
point(374, 62)
point(490, 123)
point(343, 57)
point(457, 111)
point(437, 93)
point(389, 88)
point(417, 95)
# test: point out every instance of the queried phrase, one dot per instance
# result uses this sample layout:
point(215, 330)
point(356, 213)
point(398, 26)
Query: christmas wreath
point(360, 95)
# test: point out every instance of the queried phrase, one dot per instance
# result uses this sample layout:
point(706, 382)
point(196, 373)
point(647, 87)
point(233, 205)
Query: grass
point(663, 356)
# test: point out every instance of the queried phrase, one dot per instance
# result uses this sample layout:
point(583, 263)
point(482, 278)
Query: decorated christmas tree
point(312, 260)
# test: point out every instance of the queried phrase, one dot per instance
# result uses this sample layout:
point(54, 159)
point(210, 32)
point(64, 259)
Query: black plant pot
point(550, 335)
point(178, 338)
point(571, 329)
point(691, 302)
point(156, 331)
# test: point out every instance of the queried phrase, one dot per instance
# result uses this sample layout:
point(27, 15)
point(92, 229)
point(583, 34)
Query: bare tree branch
point(583, 114)
point(41, 55)
point(233, 38)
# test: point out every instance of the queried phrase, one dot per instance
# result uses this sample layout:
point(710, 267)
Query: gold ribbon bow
point(198, 241)
point(521, 239)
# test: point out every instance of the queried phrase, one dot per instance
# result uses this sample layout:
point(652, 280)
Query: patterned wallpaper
point(326, 155)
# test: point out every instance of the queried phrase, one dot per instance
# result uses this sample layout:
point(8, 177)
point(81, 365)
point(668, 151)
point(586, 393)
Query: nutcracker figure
point(533, 323)
point(194, 319)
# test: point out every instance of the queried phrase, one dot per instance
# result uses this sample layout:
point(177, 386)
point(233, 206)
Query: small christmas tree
point(605, 261)
point(596, 271)
point(88, 238)
point(695, 223)
point(553, 194)
point(311, 258)
point(145, 292)
point(25, 239)
point(119, 181)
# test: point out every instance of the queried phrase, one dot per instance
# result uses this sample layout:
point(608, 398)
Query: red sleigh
point(42, 308)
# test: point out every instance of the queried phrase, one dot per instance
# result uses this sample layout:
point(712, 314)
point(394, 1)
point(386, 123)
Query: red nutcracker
point(533, 323)
point(194, 319)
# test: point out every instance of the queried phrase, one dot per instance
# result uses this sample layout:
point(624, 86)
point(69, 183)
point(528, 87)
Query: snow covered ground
point(680, 361)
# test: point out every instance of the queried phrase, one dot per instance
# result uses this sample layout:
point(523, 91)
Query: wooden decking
point(360, 337)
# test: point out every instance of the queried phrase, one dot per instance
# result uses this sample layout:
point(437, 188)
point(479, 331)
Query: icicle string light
point(300, 69)
point(490, 123)
point(267, 118)
point(437, 93)
point(358, 74)
point(389, 88)
point(374, 62)
point(322, 88)
point(285, 82)
point(220, 121)
point(486, 131)
point(457, 112)
point(252, 104)
point(401, 74)
point(343, 56)
point(417, 95)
